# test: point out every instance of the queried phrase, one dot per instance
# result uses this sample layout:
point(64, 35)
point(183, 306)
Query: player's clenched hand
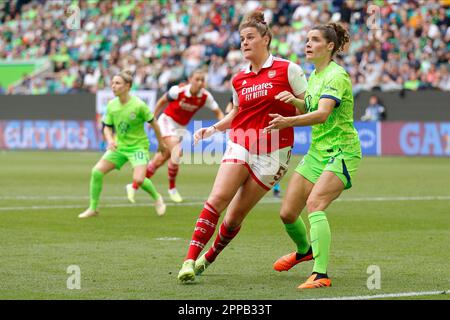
point(112, 146)
point(278, 122)
point(286, 97)
point(203, 133)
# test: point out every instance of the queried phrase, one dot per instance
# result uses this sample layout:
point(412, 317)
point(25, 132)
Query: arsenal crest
point(272, 73)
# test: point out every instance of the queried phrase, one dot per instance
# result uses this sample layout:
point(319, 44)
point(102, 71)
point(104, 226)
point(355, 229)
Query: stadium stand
point(396, 44)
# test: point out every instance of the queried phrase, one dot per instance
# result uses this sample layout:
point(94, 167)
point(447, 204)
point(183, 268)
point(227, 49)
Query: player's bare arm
point(219, 114)
point(160, 105)
point(161, 145)
point(222, 125)
point(321, 115)
point(297, 101)
point(109, 136)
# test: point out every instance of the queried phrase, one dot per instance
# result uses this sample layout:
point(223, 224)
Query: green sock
point(320, 240)
point(95, 188)
point(148, 186)
point(297, 232)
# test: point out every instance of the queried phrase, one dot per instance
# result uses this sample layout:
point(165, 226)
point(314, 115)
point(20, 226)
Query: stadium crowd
point(396, 44)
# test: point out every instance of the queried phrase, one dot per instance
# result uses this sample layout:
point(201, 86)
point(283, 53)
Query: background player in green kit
point(333, 158)
point(127, 115)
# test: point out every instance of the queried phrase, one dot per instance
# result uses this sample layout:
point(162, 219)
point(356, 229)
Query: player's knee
point(315, 203)
point(287, 215)
point(164, 157)
point(138, 180)
point(232, 225)
point(159, 161)
point(96, 172)
point(219, 201)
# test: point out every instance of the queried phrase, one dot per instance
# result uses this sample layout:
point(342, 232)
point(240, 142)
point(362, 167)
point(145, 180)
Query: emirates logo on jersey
point(256, 91)
point(272, 73)
point(187, 106)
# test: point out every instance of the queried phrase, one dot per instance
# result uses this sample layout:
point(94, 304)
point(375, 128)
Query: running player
point(182, 101)
point(254, 161)
point(127, 115)
point(332, 160)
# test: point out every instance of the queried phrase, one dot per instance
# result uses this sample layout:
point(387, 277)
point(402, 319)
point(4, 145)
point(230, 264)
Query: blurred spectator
point(375, 111)
point(444, 82)
point(163, 41)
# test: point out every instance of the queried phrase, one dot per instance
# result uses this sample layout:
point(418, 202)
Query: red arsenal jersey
point(254, 94)
point(182, 105)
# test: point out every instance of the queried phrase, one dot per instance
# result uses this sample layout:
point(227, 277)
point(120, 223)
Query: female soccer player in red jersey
point(182, 101)
point(254, 161)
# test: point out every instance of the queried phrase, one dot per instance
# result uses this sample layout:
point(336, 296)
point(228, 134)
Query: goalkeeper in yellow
point(332, 160)
point(126, 114)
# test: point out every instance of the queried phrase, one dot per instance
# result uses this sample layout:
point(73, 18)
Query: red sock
point(172, 170)
point(204, 230)
point(223, 238)
point(135, 185)
point(151, 169)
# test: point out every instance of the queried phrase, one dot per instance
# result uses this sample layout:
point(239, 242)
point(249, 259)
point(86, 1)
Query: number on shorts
point(139, 155)
point(280, 173)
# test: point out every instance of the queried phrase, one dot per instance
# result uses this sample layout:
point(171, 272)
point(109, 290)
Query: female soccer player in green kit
point(127, 115)
point(333, 157)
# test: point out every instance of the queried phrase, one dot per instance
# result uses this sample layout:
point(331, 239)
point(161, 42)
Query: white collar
point(267, 64)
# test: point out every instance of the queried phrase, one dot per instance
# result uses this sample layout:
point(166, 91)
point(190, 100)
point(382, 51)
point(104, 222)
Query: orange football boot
point(316, 281)
point(286, 262)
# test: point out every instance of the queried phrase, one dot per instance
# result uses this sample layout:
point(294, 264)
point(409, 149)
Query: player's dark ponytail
point(334, 32)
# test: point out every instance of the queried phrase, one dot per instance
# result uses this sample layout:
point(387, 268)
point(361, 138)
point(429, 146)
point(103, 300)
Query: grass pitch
point(396, 217)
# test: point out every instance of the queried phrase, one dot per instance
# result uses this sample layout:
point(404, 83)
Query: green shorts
point(343, 164)
point(137, 157)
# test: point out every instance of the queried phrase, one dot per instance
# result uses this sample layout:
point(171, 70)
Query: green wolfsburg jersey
point(338, 131)
point(128, 122)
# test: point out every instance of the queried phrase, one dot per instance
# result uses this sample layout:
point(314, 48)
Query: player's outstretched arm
point(222, 125)
point(219, 114)
point(321, 115)
point(297, 101)
point(160, 105)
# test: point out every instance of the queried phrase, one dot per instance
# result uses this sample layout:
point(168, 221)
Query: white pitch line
point(345, 199)
point(388, 295)
point(194, 203)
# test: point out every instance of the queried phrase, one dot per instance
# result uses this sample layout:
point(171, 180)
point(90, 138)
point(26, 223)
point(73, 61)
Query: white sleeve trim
point(297, 79)
point(235, 96)
point(173, 93)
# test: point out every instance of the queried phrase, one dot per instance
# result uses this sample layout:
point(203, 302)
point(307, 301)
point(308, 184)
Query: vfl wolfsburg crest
point(132, 116)
point(123, 127)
